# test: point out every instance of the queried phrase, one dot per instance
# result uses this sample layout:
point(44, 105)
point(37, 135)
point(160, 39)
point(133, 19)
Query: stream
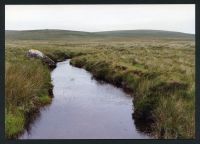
point(84, 108)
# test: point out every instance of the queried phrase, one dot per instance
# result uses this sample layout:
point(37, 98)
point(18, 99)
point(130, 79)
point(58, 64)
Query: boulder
point(35, 53)
point(32, 53)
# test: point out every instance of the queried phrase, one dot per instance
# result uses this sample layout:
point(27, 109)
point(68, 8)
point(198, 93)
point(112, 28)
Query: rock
point(35, 53)
point(38, 54)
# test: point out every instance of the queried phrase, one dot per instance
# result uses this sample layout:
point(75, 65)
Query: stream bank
point(83, 108)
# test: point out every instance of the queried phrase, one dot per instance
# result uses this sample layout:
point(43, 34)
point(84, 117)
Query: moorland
point(156, 67)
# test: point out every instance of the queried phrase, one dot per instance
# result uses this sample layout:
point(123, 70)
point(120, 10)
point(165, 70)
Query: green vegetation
point(157, 68)
point(161, 78)
point(27, 82)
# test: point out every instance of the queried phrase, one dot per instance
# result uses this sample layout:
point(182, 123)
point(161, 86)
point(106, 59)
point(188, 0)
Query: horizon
point(98, 18)
point(102, 31)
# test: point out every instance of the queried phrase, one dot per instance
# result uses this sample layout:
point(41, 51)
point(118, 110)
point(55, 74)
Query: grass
point(14, 123)
point(161, 79)
point(26, 86)
point(159, 74)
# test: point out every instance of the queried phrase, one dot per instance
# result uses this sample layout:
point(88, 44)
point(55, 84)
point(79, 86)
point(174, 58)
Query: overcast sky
point(101, 17)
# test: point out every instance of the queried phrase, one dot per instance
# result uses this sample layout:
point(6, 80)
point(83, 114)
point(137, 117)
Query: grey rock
point(32, 53)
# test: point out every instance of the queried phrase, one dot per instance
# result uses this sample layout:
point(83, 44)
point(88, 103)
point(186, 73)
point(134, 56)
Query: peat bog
point(158, 70)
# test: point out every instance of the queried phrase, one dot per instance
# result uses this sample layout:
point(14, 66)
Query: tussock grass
point(14, 123)
point(26, 87)
point(161, 78)
point(159, 73)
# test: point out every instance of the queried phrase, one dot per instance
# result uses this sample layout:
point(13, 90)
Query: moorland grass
point(161, 79)
point(159, 74)
point(26, 87)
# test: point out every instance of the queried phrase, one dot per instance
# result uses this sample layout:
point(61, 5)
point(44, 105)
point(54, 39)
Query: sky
point(93, 18)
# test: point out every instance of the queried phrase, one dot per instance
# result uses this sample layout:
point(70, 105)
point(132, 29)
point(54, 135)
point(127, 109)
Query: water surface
point(83, 108)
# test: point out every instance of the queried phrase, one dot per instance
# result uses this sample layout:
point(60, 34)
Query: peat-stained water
point(84, 108)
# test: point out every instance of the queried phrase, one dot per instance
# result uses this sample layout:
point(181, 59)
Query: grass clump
point(26, 86)
point(14, 123)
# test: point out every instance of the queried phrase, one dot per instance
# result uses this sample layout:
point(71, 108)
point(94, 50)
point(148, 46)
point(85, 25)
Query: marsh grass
point(159, 74)
point(161, 78)
point(26, 87)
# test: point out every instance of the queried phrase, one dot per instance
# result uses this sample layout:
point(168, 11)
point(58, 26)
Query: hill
point(44, 34)
point(67, 34)
point(146, 33)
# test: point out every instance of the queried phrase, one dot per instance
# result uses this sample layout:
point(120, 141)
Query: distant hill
point(44, 34)
point(67, 34)
point(146, 33)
